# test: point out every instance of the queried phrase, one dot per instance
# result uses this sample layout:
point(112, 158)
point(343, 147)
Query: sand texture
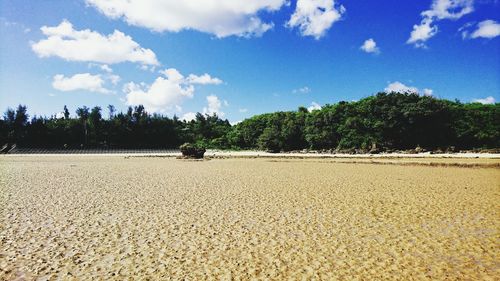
point(110, 218)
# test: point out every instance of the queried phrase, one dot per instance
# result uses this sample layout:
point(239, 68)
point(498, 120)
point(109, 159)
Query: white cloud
point(449, 9)
point(85, 45)
point(189, 116)
point(428, 92)
point(487, 100)
point(440, 10)
point(243, 110)
point(314, 106)
point(151, 68)
point(219, 17)
point(165, 94)
point(398, 87)
point(315, 17)
point(204, 79)
point(106, 68)
point(485, 29)
point(81, 81)
point(370, 46)
point(214, 106)
point(422, 32)
point(161, 96)
point(59, 115)
point(173, 75)
point(114, 79)
point(303, 90)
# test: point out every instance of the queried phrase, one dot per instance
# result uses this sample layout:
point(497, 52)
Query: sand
point(111, 218)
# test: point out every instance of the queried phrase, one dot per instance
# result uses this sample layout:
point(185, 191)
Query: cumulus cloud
point(422, 32)
point(440, 10)
point(219, 17)
point(85, 45)
point(398, 87)
point(161, 96)
point(487, 100)
point(204, 79)
point(59, 115)
point(214, 106)
point(314, 106)
point(486, 29)
point(81, 81)
point(106, 68)
point(189, 116)
point(449, 9)
point(315, 17)
point(303, 90)
point(164, 94)
point(428, 92)
point(114, 79)
point(370, 46)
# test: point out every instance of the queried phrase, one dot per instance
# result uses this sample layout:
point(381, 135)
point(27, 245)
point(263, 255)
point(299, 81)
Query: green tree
point(270, 139)
point(111, 110)
point(83, 116)
point(66, 113)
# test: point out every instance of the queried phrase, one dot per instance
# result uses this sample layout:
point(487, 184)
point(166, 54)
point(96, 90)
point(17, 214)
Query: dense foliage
point(133, 129)
point(380, 122)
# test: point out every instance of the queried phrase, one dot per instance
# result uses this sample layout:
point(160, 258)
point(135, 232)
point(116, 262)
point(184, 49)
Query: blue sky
point(238, 60)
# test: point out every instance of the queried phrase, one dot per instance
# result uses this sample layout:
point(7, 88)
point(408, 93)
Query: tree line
point(385, 121)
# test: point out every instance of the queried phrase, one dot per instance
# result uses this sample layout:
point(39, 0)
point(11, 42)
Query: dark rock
point(192, 151)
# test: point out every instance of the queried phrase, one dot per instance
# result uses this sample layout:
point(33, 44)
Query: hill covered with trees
point(381, 122)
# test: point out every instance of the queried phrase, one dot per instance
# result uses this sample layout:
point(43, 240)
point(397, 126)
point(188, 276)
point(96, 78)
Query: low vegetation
point(382, 122)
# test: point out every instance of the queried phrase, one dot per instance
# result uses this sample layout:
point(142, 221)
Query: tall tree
point(9, 116)
point(83, 116)
point(20, 123)
point(95, 120)
point(66, 112)
point(111, 110)
point(21, 118)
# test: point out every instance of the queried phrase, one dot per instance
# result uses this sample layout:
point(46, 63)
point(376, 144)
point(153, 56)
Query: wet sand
point(111, 218)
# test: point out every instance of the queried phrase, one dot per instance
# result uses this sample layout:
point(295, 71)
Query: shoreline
point(263, 154)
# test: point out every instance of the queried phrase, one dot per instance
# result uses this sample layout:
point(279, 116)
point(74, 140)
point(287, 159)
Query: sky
point(241, 58)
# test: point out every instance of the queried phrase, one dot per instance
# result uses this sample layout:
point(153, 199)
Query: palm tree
point(112, 111)
point(83, 115)
point(66, 113)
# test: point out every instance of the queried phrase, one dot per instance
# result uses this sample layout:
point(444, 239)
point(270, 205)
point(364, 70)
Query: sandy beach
point(116, 218)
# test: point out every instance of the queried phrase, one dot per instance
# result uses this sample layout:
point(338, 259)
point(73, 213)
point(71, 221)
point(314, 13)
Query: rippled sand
point(110, 218)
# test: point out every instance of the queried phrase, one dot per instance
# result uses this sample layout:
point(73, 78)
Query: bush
point(192, 151)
